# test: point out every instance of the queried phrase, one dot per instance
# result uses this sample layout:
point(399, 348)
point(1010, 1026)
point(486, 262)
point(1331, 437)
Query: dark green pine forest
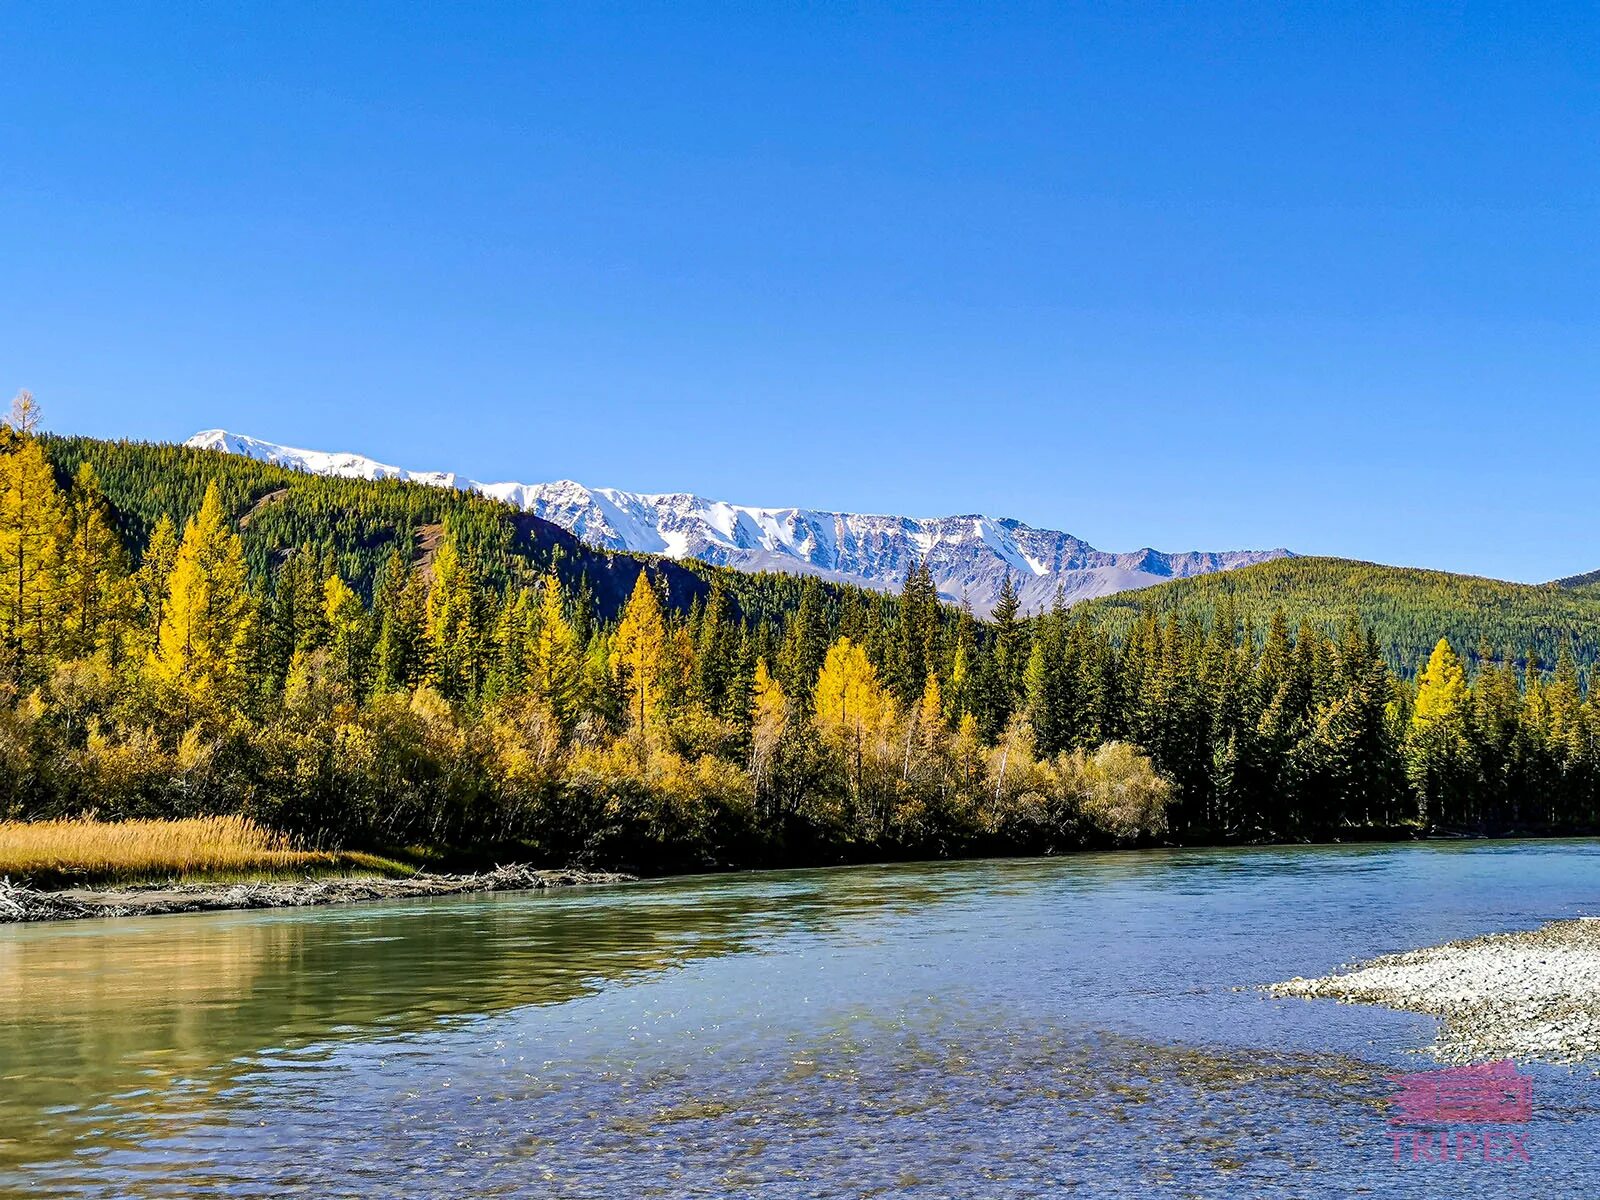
point(387, 665)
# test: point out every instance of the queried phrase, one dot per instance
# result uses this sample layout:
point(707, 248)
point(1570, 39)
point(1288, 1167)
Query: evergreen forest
point(388, 665)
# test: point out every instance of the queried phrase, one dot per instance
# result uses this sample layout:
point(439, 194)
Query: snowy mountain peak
point(969, 555)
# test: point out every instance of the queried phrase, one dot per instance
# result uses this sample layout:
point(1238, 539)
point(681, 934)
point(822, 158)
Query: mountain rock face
point(969, 556)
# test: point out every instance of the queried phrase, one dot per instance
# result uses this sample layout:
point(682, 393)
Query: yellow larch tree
point(639, 657)
point(1442, 694)
point(206, 614)
point(769, 716)
point(346, 618)
point(33, 529)
point(852, 712)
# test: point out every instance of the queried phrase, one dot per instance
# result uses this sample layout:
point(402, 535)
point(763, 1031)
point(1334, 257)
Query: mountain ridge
point(969, 555)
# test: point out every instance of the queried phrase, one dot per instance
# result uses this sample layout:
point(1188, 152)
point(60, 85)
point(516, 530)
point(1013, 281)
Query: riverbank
point(20, 903)
point(1530, 995)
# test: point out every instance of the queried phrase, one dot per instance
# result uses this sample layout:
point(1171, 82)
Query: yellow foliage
point(1442, 693)
point(639, 656)
point(33, 529)
point(206, 626)
point(852, 711)
point(1120, 791)
point(769, 714)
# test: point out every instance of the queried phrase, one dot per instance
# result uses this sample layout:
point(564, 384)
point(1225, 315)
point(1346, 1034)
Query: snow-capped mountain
point(969, 556)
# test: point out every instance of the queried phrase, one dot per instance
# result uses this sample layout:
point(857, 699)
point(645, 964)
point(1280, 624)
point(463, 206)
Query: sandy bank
point(28, 904)
point(1533, 995)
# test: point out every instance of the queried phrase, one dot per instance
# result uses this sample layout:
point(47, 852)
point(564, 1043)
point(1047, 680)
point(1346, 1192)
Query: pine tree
point(402, 616)
point(806, 643)
point(1001, 682)
point(929, 723)
point(711, 655)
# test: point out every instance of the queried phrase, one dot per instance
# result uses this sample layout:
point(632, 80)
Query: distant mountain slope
point(356, 524)
point(969, 556)
point(1407, 608)
point(1588, 582)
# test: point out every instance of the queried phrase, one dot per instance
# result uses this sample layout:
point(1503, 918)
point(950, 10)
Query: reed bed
point(85, 850)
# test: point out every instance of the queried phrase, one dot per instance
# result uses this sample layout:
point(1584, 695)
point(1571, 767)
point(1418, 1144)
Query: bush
point(1121, 795)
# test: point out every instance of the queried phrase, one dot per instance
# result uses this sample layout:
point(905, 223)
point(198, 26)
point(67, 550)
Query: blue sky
point(1189, 276)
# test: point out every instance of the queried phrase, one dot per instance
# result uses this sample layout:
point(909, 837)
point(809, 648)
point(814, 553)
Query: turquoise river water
point(1020, 1028)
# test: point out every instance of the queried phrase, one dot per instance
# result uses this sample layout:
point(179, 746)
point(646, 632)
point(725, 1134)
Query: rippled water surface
point(1015, 1028)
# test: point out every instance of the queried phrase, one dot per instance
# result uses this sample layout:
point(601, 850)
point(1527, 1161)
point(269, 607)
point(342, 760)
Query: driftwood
point(20, 903)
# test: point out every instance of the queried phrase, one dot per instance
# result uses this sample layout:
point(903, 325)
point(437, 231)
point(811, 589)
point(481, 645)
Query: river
point(1010, 1028)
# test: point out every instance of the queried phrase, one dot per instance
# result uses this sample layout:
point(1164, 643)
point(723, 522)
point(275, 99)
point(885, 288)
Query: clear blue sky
point(1205, 275)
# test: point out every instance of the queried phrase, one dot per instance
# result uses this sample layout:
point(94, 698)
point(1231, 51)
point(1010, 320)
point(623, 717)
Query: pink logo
point(1488, 1094)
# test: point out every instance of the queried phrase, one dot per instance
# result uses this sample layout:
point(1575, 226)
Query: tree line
point(447, 694)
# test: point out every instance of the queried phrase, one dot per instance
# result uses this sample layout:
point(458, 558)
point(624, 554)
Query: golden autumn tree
point(1441, 688)
point(33, 528)
point(929, 723)
point(852, 712)
point(639, 657)
point(1439, 757)
point(769, 716)
point(207, 613)
point(346, 619)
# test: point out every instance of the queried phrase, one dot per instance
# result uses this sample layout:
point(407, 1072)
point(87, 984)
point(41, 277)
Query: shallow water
point(1014, 1028)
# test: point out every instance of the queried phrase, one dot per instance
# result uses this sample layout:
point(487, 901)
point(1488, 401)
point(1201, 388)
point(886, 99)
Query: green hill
point(357, 523)
point(1408, 609)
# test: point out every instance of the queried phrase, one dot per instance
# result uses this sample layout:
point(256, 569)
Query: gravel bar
point(1533, 995)
point(18, 903)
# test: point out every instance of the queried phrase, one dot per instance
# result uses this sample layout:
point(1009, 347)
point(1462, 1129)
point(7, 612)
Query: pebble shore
point(1531, 996)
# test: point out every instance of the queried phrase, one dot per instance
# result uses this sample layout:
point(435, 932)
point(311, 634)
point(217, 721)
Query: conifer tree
point(206, 617)
point(555, 672)
point(806, 643)
point(150, 581)
point(1439, 758)
point(94, 567)
point(348, 637)
point(454, 624)
point(929, 723)
point(402, 648)
point(33, 528)
point(639, 658)
point(852, 712)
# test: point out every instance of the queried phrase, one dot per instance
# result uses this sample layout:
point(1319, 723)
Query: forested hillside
point(1407, 610)
point(382, 664)
point(354, 527)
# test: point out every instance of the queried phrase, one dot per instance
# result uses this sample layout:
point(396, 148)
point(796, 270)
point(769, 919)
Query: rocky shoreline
point(19, 903)
point(1532, 995)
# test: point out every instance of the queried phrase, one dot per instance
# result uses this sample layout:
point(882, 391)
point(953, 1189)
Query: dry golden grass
point(47, 853)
